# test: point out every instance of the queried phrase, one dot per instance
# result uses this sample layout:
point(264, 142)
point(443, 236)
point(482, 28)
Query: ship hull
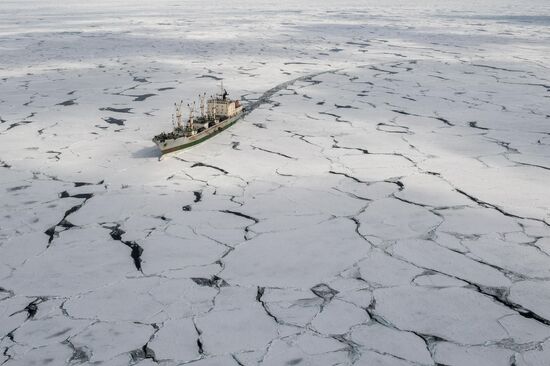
point(172, 145)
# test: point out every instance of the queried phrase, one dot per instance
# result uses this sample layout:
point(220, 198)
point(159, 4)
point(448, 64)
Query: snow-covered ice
point(384, 202)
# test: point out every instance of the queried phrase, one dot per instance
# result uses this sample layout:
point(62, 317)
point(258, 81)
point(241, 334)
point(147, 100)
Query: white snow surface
point(387, 202)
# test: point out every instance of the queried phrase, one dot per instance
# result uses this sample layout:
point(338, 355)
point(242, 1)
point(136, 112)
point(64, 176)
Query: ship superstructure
point(218, 113)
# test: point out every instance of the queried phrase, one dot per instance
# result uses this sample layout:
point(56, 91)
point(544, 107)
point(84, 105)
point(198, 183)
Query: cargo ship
point(216, 115)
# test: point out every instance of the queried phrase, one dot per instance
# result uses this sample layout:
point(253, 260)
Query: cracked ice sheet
point(291, 259)
point(405, 188)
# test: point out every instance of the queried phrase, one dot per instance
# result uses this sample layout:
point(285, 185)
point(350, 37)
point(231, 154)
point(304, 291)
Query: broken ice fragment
point(324, 291)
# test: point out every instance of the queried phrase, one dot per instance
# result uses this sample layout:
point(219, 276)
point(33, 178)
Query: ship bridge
point(222, 107)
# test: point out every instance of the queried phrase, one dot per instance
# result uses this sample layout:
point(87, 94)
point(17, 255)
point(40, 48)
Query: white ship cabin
point(223, 108)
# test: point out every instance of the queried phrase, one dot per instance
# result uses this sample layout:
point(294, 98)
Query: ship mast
point(223, 92)
point(202, 98)
point(178, 113)
point(212, 106)
point(191, 114)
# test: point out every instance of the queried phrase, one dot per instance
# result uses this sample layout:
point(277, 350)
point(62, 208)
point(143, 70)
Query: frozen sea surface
point(385, 203)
